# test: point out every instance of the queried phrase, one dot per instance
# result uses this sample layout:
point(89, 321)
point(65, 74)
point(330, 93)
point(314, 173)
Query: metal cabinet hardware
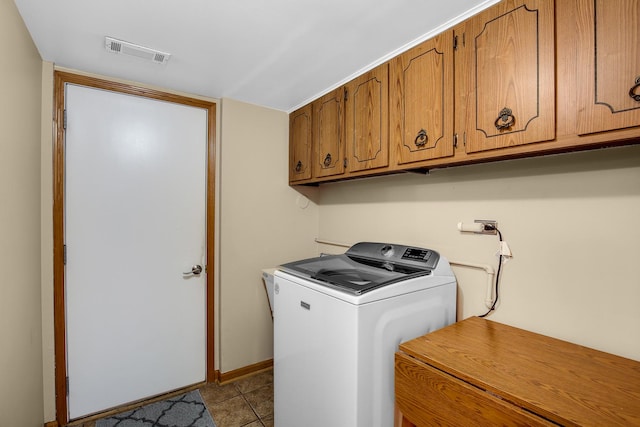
point(327, 160)
point(632, 92)
point(421, 138)
point(505, 119)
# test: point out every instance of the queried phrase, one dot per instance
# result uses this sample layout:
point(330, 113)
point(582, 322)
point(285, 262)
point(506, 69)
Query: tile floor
point(247, 402)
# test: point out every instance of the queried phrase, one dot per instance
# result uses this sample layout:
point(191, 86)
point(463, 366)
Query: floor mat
point(186, 410)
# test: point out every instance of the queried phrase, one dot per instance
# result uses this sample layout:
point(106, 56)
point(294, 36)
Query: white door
point(135, 200)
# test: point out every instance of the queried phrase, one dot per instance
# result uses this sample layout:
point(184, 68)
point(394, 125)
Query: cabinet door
point(609, 65)
point(421, 107)
point(328, 134)
point(300, 144)
point(509, 52)
point(367, 120)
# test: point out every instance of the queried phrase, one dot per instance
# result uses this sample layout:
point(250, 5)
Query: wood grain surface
point(562, 382)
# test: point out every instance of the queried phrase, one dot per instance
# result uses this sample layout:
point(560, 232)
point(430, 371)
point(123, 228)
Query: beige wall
point(46, 242)
point(20, 318)
point(571, 222)
point(263, 223)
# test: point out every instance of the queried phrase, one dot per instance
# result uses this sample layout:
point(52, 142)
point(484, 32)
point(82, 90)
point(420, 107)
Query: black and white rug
point(186, 410)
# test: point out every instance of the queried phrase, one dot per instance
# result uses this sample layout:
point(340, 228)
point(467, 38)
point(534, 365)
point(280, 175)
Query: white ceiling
point(275, 53)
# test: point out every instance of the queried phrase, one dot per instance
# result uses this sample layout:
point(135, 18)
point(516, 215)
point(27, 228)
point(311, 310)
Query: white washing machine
point(338, 320)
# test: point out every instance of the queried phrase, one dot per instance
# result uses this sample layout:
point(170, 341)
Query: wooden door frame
point(60, 79)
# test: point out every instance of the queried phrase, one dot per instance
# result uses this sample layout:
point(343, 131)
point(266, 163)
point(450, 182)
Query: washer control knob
point(387, 250)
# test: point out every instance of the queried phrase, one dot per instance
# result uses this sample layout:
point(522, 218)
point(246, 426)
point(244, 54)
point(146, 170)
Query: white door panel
point(135, 194)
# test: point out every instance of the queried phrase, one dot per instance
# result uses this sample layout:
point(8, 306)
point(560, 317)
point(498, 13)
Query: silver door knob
point(195, 270)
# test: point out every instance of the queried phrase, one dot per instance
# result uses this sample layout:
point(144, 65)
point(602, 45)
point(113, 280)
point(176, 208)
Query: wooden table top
point(563, 382)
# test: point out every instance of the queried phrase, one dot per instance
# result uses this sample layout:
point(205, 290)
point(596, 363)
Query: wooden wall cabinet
point(421, 109)
point(521, 78)
point(328, 135)
point(482, 373)
point(478, 91)
point(505, 66)
point(300, 144)
point(343, 133)
point(609, 79)
point(367, 121)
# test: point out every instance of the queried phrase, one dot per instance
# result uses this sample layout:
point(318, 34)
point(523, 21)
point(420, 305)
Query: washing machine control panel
point(417, 254)
point(412, 256)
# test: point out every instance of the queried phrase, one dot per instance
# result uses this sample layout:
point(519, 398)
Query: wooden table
point(482, 373)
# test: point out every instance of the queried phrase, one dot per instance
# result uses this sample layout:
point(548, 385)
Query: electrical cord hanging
point(495, 301)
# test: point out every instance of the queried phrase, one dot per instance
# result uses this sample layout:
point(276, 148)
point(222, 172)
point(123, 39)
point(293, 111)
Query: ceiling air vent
point(119, 46)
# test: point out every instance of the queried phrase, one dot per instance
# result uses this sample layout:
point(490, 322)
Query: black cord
point(495, 301)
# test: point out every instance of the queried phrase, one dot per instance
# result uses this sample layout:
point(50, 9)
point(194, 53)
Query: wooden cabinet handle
point(327, 160)
point(505, 119)
point(632, 92)
point(298, 166)
point(421, 138)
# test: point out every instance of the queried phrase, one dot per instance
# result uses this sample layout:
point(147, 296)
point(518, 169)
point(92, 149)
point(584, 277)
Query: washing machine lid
point(366, 266)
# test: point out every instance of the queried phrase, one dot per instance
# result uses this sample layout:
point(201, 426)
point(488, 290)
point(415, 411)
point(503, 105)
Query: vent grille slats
point(127, 48)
